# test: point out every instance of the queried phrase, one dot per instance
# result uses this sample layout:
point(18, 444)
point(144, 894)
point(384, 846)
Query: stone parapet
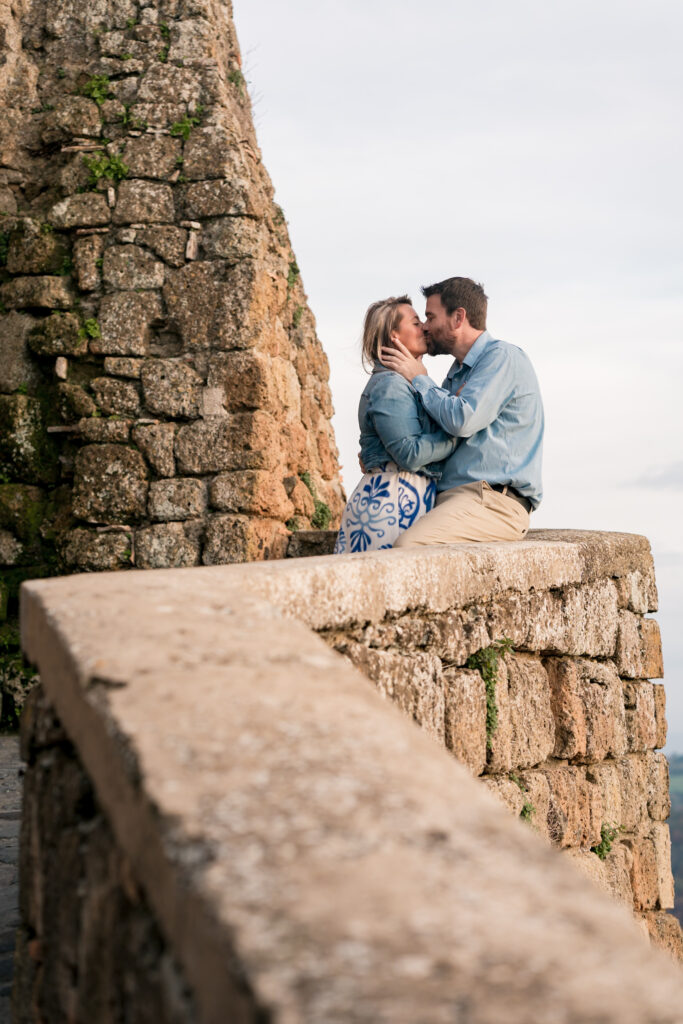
point(300, 848)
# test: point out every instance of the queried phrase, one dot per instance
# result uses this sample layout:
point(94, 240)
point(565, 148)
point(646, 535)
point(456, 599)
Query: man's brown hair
point(457, 292)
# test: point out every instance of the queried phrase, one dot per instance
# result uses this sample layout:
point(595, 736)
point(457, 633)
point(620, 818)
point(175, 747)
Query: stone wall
point(300, 849)
point(566, 733)
point(163, 394)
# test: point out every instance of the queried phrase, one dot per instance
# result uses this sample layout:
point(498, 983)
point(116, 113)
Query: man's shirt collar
point(473, 354)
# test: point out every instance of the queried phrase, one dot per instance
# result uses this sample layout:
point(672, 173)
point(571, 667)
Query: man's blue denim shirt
point(394, 427)
point(498, 418)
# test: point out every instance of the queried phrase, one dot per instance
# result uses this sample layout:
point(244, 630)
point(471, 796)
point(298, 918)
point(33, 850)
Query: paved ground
point(10, 812)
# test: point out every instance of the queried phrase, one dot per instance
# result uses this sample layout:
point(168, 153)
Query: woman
point(400, 446)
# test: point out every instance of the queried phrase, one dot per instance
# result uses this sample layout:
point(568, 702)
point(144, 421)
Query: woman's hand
point(400, 360)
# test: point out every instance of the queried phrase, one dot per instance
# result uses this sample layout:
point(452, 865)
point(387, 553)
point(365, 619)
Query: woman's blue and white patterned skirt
point(384, 503)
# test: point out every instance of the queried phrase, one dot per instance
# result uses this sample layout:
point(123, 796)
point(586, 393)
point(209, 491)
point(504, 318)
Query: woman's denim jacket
point(394, 426)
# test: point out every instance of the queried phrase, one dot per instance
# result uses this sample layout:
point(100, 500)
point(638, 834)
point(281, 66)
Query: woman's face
point(410, 332)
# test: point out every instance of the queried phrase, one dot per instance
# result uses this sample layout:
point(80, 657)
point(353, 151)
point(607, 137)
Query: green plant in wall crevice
point(485, 662)
point(102, 166)
point(322, 516)
point(608, 833)
point(98, 88)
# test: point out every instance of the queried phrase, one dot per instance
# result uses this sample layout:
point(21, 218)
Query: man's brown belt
point(506, 489)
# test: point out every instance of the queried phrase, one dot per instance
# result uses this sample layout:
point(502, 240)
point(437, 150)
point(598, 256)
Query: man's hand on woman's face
point(400, 360)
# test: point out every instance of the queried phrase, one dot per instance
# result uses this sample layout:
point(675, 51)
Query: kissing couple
point(460, 463)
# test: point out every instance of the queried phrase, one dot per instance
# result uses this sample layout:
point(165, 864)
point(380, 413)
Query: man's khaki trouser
point(473, 512)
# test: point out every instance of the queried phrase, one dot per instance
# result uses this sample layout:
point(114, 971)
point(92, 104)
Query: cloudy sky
point(537, 148)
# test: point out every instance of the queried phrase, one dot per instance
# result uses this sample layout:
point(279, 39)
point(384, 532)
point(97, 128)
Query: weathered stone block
point(525, 734)
point(74, 403)
point(252, 380)
point(588, 864)
point(661, 839)
point(122, 366)
point(537, 799)
point(112, 112)
point(251, 490)
point(98, 431)
point(98, 552)
point(229, 198)
point(116, 397)
point(34, 251)
point(89, 209)
point(124, 321)
point(658, 799)
point(575, 813)
point(171, 85)
point(651, 878)
point(575, 620)
point(156, 441)
point(171, 388)
point(608, 777)
point(167, 241)
point(414, 683)
point(143, 202)
point(210, 152)
point(25, 452)
point(453, 636)
point(660, 714)
point(72, 116)
point(633, 778)
point(221, 307)
point(665, 933)
point(622, 783)
point(588, 708)
point(243, 539)
point(110, 484)
point(300, 496)
point(152, 156)
point(618, 868)
point(127, 267)
point(166, 546)
point(234, 239)
point(38, 292)
point(87, 254)
point(244, 441)
point(639, 647)
point(58, 335)
point(641, 724)
point(17, 368)
point(158, 115)
point(506, 792)
point(177, 499)
point(11, 549)
point(637, 591)
point(311, 543)
point(22, 507)
point(465, 717)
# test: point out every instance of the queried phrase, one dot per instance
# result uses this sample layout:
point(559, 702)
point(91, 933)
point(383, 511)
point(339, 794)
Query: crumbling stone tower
point(163, 395)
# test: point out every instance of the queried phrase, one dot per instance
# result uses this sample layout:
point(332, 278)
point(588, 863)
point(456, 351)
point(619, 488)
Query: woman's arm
point(395, 416)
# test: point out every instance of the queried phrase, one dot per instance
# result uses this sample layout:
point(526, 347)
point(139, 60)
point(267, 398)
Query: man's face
point(440, 328)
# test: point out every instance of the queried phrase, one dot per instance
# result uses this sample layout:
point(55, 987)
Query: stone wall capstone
point(163, 395)
point(295, 839)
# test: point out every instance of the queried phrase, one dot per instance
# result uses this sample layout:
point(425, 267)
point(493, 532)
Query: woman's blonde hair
point(381, 319)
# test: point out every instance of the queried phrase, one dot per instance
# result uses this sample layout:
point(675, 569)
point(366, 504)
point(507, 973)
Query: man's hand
point(400, 360)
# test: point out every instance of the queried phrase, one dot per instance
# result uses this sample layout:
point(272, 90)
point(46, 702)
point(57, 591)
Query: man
point(491, 401)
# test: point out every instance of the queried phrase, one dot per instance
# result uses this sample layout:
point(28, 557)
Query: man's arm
point(489, 387)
